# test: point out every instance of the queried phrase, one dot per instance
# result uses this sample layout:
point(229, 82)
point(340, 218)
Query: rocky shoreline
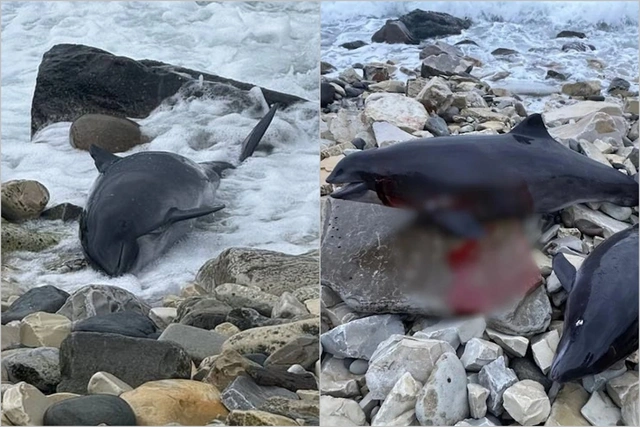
point(411, 369)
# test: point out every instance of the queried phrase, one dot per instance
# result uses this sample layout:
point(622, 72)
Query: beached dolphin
point(140, 205)
point(458, 182)
point(601, 316)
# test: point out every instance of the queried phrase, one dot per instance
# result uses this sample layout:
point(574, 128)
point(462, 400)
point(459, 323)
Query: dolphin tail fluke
point(251, 142)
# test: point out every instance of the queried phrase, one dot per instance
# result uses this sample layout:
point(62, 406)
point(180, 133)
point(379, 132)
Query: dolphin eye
point(580, 322)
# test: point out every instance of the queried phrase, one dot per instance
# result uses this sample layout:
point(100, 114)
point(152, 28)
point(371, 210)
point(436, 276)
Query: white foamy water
point(272, 198)
point(528, 27)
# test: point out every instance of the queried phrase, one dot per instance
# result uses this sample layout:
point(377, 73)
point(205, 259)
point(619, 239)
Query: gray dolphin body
point(601, 316)
point(142, 204)
point(460, 181)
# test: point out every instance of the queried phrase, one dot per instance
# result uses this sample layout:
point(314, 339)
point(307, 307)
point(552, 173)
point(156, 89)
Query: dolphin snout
point(118, 260)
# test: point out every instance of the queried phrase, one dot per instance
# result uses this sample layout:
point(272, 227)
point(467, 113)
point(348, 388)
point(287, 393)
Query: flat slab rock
point(128, 323)
point(47, 298)
point(94, 300)
point(90, 411)
point(244, 394)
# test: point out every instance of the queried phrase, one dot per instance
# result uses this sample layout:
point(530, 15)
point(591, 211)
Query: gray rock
point(443, 400)
point(288, 307)
point(398, 355)
point(244, 394)
point(202, 311)
point(481, 422)
point(23, 199)
point(114, 134)
point(444, 65)
point(527, 403)
point(496, 377)
point(619, 387)
point(544, 348)
point(631, 408)
point(337, 381)
point(341, 314)
point(437, 126)
point(446, 332)
point(621, 213)
point(528, 317)
point(399, 404)
point(302, 350)
point(39, 367)
point(199, 343)
point(514, 345)
point(46, 298)
point(526, 369)
point(477, 396)
point(359, 367)
point(360, 338)
point(272, 272)
point(598, 381)
point(309, 411)
point(601, 411)
point(306, 293)
point(591, 222)
point(565, 410)
point(238, 296)
point(478, 353)
point(341, 412)
point(93, 300)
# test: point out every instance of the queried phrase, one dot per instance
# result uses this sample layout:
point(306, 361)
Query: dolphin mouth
point(350, 190)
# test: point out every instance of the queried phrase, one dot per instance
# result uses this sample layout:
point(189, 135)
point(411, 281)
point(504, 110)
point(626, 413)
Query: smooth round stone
point(23, 199)
point(113, 134)
point(127, 323)
point(359, 367)
point(39, 367)
point(90, 410)
point(46, 299)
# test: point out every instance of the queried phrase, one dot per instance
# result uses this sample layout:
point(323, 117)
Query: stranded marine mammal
point(601, 316)
point(459, 182)
point(140, 205)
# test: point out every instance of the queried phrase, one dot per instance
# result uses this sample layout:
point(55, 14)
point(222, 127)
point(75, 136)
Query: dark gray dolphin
point(601, 316)
point(140, 205)
point(461, 181)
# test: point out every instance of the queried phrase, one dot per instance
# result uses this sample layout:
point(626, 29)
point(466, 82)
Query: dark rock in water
point(437, 126)
point(202, 312)
point(444, 65)
point(327, 94)
point(504, 51)
point(128, 323)
point(551, 74)
point(449, 114)
point(63, 211)
point(244, 394)
point(568, 33)
point(360, 85)
point(618, 85)
point(526, 369)
point(467, 41)
point(394, 32)
point(339, 82)
point(39, 367)
point(75, 79)
point(354, 45)
point(359, 143)
point(133, 360)
point(598, 98)
point(90, 410)
point(94, 300)
point(259, 358)
point(278, 376)
point(440, 47)
point(44, 298)
point(577, 46)
point(248, 318)
point(308, 411)
point(353, 92)
point(326, 68)
point(427, 24)
point(302, 350)
point(114, 134)
point(199, 343)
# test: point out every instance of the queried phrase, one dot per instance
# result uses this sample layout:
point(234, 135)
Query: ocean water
point(528, 27)
point(272, 198)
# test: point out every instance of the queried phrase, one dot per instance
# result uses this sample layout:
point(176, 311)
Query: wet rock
point(272, 272)
point(477, 396)
point(24, 405)
point(341, 412)
point(590, 222)
point(444, 65)
point(577, 47)
point(302, 350)
point(202, 311)
point(601, 411)
point(238, 296)
point(437, 126)
point(94, 300)
point(360, 338)
point(39, 367)
point(631, 408)
point(496, 377)
point(281, 377)
point(478, 353)
point(598, 381)
point(551, 74)
point(512, 344)
point(288, 307)
point(133, 360)
point(443, 400)
point(198, 343)
point(527, 403)
point(23, 200)
point(113, 134)
point(530, 316)
point(90, 411)
point(394, 32)
point(400, 354)
point(439, 47)
point(359, 367)
point(184, 402)
point(526, 369)
point(582, 89)
point(354, 45)
point(405, 113)
point(244, 394)
point(400, 402)
point(618, 86)
point(543, 348)
point(581, 109)
point(248, 318)
point(46, 299)
point(429, 24)
point(569, 33)
point(309, 411)
point(128, 323)
point(64, 212)
point(105, 383)
point(258, 418)
point(163, 316)
point(42, 329)
point(327, 94)
point(269, 339)
point(565, 410)
point(326, 68)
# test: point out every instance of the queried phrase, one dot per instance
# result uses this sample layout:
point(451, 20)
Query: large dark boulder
point(91, 410)
point(74, 80)
point(44, 298)
point(133, 360)
point(427, 24)
point(394, 32)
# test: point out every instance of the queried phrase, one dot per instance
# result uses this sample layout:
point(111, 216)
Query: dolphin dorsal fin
point(565, 271)
point(102, 158)
point(532, 126)
point(251, 141)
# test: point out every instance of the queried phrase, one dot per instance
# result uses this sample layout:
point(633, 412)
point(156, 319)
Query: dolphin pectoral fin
point(459, 223)
point(565, 271)
point(175, 215)
point(214, 169)
point(102, 158)
point(251, 142)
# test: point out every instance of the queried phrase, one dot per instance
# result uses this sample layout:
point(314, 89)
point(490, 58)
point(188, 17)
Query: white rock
point(341, 412)
point(592, 152)
point(478, 353)
point(400, 400)
point(163, 316)
point(575, 213)
point(621, 213)
point(601, 411)
point(44, 330)
point(484, 421)
point(527, 403)
point(347, 124)
point(631, 407)
point(399, 110)
point(513, 344)
point(443, 400)
point(455, 332)
point(400, 354)
point(10, 334)
point(594, 126)
point(598, 381)
point(477, 400)
point(106, 383)
point(618, 388)
point(448, 333)
point(336, 380)
point(388, 134)
point(24, 405)
point(580, 110)
point(288, 307)
point(436, 94)
point(496, 377)
point(544, 348)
